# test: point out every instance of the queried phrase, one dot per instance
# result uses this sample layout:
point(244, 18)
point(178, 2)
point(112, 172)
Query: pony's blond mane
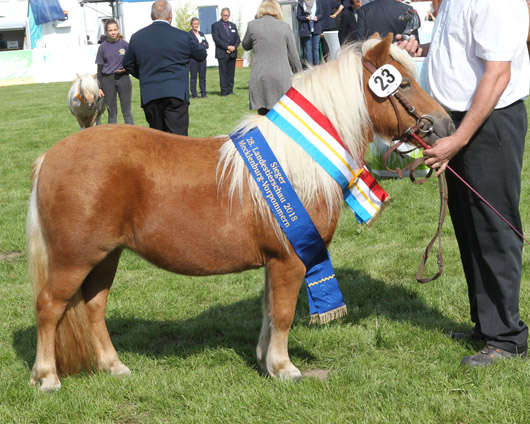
point(336, 89)
point(89, 83)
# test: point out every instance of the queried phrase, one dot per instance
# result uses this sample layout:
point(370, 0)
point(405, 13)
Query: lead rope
point(442, 189)
point(419, 140)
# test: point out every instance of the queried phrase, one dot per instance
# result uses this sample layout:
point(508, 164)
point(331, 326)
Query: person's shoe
point(194, 97)
point(469, 336)
point(488, 354)
point(203, 97)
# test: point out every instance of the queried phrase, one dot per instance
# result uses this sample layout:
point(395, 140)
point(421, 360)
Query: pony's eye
point(404, 84)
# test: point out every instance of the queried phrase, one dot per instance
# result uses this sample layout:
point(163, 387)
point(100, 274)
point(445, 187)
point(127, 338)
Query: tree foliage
point(183, 12)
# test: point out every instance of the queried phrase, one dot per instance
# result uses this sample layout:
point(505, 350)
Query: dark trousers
point(200, 69)
point(490, 250)
point(168, 114)
point(113, 85)
point(227, 70)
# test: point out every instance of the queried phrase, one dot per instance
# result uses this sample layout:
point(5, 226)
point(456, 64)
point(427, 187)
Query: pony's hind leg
point(282, 284)
point(51, 304)
point(95, 290)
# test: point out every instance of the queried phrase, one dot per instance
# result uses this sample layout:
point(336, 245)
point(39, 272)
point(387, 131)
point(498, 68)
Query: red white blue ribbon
point(313, 131)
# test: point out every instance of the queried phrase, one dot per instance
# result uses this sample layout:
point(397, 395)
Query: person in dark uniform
point(382, 16)
point(327, 23)
point(113, 79)
point(159, 56)
point(349, 21)
point(198, 67)
point(226, 39)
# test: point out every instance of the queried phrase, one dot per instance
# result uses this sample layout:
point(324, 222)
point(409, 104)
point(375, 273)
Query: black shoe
point(488, 354)
point(470, 336)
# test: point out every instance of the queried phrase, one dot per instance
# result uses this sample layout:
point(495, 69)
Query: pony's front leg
point(95, 290)
point(282, 284)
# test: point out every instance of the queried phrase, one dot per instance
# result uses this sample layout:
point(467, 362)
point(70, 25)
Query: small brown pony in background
point(190, 206)
point(84, 101)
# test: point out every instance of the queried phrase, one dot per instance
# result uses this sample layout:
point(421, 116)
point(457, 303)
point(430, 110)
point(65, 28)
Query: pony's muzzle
point(427, 124)
point(442, 126)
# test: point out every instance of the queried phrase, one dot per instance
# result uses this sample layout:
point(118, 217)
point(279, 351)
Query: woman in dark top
point(198, 67)
point(309, 15)
point(113, 79)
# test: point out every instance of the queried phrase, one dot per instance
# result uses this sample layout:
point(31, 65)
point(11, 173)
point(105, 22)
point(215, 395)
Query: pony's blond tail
point(36, 246)
point(74, 348)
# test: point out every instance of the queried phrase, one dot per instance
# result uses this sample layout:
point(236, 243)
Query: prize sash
point(305, 124)
point(325, 299)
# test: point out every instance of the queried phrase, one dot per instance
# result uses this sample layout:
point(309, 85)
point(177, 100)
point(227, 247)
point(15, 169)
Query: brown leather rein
point(424, 125)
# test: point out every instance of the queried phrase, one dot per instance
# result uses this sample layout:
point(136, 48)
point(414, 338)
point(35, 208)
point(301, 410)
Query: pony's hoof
point(290, 375)
point(47, 385)
point(120, 370)
point(289, 372)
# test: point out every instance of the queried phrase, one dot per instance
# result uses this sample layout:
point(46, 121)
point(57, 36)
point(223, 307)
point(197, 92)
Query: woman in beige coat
point(275, 57)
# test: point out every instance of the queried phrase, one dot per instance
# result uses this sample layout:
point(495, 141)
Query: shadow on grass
point(237, 326)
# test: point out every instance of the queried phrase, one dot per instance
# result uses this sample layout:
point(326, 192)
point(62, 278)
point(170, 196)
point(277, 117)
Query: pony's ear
point(376, 36)
point(95, 76)
point(78, 76)
point(380, 53)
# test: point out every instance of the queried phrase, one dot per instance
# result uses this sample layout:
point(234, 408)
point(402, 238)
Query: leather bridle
point(81, 97)
point(424, 125)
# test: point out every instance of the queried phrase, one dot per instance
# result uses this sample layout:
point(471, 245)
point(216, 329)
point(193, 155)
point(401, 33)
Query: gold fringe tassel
point(329, 316)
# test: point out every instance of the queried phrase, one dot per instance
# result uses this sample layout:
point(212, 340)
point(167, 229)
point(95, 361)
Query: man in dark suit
point(226, 39)
point(159, 56)
point(382, 16)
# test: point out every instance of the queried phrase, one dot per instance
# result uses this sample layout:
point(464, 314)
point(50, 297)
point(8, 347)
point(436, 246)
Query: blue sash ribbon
point(325, 298)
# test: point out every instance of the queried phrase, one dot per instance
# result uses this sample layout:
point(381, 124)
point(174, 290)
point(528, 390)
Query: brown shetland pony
point(189, 205)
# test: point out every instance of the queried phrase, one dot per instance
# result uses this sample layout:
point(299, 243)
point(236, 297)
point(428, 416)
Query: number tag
point(385, 81)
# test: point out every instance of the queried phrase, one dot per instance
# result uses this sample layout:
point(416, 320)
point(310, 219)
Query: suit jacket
point(381, 16)
point(204, 42)
point(159, 56)
point(348, 25)
point(304, 29)
point(222, 40)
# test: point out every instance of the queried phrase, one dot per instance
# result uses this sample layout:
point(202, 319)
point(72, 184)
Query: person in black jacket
point(159, 56)
point(383, 16)
point(327, 23)
point(226, 39)
point(348, 21)
point(198, 67)
point(309, 15)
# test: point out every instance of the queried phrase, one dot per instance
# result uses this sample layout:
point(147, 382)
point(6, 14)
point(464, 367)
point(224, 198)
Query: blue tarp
point(46, 11)
point(34, 29)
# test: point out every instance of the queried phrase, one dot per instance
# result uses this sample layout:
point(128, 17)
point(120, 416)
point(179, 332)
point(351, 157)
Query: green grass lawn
point(190, 341)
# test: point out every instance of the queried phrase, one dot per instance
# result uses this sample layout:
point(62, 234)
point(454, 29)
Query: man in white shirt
point(478, 69)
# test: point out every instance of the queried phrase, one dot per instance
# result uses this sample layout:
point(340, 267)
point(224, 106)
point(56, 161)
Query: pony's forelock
point(397, 54)
point(88, 82)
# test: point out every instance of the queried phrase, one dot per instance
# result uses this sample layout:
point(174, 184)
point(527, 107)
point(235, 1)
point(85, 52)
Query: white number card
point(385, 80)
